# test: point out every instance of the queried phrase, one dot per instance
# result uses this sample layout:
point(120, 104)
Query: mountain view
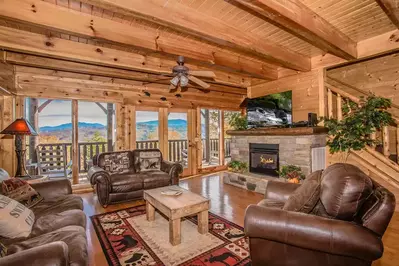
point(96, 132)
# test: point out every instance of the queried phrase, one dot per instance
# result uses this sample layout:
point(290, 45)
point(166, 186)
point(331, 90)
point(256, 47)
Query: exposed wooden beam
point(17, 40)
point(296, 18)
point(375, 46)
point(391, 8)
point(151, 41)
point(189, 21)
point(76, 67)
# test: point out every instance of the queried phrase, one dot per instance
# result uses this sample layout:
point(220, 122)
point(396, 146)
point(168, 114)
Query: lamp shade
point(19, 127)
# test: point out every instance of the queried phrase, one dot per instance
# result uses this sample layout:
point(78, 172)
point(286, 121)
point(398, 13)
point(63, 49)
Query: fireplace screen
point(264, 159)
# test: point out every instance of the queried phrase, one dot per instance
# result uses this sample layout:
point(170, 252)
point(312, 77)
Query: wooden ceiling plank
point(76, 67)
point(207, 28)
point(299, 20)
point(37, 44)
point(50, 16)
point(391, 8)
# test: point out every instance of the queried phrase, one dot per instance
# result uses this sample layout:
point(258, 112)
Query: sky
point(60, 112)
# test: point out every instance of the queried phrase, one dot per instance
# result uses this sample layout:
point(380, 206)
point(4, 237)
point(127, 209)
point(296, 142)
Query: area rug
point(128, 239)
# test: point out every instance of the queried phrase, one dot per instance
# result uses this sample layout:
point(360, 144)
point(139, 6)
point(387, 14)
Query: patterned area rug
point(127, 238)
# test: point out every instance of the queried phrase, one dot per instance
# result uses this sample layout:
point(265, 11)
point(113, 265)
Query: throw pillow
point(306, 196)
point(3, 250)
point(16, 220)
point(150, 160)
point(20, 191)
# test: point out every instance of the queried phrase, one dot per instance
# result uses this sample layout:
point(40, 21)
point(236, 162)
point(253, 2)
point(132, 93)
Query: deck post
point(34, 120)
point(207, 140)
point(75, 143)
point(110, 112)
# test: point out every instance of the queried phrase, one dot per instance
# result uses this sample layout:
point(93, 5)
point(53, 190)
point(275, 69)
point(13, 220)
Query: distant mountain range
point(145, 130)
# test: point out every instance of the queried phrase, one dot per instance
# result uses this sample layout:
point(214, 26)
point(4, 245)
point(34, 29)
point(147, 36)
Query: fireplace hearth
point(264, 158)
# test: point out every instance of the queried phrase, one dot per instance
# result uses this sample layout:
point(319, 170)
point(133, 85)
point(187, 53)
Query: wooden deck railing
point(88, 149)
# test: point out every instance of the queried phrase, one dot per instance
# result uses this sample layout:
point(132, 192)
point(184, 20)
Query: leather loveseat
point(342, 222)
point(124, 175)
point(58, 236)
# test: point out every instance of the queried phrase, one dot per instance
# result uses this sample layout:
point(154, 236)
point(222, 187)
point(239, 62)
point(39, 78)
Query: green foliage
point(97, 137)
point(353, 131)
point(238, 122)
point(237, 166)
point(290, 172)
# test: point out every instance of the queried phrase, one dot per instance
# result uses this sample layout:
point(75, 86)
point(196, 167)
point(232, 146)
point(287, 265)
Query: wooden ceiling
point(242, 41)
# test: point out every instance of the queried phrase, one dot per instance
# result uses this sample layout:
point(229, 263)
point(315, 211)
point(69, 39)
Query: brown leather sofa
point(124, 175)
point(350, 215)
point(58, 235)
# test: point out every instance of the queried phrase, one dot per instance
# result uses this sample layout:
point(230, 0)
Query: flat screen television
point(270, 110)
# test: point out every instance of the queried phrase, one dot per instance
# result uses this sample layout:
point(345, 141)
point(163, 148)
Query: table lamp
point(20, 127)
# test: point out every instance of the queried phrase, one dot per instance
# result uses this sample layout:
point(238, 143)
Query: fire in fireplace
point(263, 158)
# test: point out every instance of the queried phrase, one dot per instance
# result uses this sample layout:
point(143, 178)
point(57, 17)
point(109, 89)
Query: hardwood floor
point(227, 201)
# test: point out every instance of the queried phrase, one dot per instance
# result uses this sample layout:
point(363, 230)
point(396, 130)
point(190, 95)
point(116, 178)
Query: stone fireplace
point(264, 158)
point(267, 149)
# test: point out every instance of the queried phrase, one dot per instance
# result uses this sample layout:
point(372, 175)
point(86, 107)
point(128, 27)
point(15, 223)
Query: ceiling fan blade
point(172, 88)
point(202, 73)
point(199, 82)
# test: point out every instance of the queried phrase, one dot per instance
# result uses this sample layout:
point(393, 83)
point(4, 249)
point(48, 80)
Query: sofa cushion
point(16, 220)
point(126, 182)
point(19, 190)
point(51, 222)
point(147, 160)
point(306, 196)
point(344, 189)
point(155, 178)
point(58, 205)
point(73, 236)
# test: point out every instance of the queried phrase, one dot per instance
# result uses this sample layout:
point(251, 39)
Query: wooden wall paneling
point(221, 138)
point(133, 132)
point(7, 150)
point(198, 140)
point(163, 131)
point(120, 127)
point(305, 92)
point(7, 77)
point(75, 142)
point(192, 144)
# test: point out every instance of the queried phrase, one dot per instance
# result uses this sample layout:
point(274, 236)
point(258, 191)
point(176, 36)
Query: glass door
point(179, 140)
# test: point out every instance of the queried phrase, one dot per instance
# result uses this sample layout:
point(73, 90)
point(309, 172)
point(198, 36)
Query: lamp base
point(21, 169)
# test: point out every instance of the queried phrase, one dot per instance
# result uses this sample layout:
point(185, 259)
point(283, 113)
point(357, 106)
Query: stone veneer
point(296, 149)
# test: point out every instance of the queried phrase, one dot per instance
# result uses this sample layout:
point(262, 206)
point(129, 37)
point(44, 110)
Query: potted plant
point(360, 120)
point(291, 173)
point(237, 166)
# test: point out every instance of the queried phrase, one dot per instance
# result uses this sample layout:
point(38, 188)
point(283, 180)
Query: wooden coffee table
point(177, 207)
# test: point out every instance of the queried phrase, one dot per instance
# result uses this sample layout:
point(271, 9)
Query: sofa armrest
point(312, 232)
point(173, 169)
point(279, 191)
point(53, 188)
point(94, 172)
point(52, 254)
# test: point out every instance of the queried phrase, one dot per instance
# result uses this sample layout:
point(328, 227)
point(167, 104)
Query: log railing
point(382, 135)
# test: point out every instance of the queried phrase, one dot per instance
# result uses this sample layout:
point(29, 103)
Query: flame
point(265, 161)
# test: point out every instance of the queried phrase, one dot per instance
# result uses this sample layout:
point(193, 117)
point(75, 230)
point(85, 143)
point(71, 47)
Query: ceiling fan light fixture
point(175, 81)
point(183, 81)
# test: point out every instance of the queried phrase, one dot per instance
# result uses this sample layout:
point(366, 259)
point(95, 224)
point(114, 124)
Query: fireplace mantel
point(295, 131)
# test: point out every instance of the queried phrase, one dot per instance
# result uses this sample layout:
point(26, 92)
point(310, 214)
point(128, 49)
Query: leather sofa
point(344, 227)
point(58, 235)
point(124, 175)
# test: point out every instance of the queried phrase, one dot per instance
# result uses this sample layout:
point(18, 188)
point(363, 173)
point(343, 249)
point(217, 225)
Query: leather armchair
point(282, 237)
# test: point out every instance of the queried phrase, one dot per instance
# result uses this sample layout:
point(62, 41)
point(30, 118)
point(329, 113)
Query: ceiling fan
point(182, 75)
